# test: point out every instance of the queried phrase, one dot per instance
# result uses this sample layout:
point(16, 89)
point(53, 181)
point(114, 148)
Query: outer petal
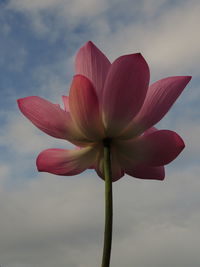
point(93, 64)
point(160, 97)
point(50, 118)
point(124, 91)
point(147, 172)
point(66, 102)
point(66, 162)
point(117, 171)
point(154, 149)
point(84, 107)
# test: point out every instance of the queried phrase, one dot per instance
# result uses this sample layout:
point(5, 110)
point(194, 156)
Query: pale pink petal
point(147, 172)
point(93, 64)
point(124, 91)
point(50, 118)
point(66, 162)
point(156, 149)
point(66, 102)
point(117, 171)
point(160, 97)
point(84, 107)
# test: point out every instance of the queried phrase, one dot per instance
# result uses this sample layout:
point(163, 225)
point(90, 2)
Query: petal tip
point(38, 163)
point(19, 101)
point(181, 144)
point(188, 78)
point(133, 55)
point(80, 76)
point(89, 43)
point(162, 176)
point(138, 54)
point(184, 79)
point(22, 101)
point(178, 140)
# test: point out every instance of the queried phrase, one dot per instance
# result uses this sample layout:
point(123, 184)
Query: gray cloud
point(52, 221)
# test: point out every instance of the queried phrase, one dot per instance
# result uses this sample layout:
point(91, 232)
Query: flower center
point(107, 141)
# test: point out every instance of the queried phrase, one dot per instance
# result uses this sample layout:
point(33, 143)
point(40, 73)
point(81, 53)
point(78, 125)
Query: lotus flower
point(109, 102)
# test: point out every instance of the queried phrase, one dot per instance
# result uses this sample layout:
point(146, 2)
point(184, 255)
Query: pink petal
point(124, 91)
point(150, 130)
point(117, 171)
point(50, 118)
point(155, 149)
point(84, 107)
point(160, 97)
point(147, 172)
point(93, 64)
point(66, 162)
point(66, 102)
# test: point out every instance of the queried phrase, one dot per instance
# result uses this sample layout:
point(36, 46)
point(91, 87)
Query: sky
point(47, 220)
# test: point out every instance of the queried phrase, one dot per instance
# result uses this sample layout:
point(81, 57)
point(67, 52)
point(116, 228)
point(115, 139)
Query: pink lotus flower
point(109, 101)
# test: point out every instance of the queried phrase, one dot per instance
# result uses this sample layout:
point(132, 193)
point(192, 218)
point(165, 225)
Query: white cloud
point(21, 136)
point(64, 14)
point(77, 7)
point(191, 133)
point(5, 172)
point(169, 41)
point(165, 34)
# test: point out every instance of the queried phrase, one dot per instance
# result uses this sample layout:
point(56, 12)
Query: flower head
point(109, 101)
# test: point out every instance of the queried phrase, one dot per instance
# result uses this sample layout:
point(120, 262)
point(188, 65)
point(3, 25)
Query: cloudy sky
point(51, 221)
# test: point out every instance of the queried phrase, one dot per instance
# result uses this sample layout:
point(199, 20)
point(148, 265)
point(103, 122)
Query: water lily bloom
point(109, 102)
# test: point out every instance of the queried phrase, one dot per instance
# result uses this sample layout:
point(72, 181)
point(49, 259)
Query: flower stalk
point(108, 205)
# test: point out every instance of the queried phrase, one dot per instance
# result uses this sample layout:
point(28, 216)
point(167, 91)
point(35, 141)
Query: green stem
point(108, 206)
